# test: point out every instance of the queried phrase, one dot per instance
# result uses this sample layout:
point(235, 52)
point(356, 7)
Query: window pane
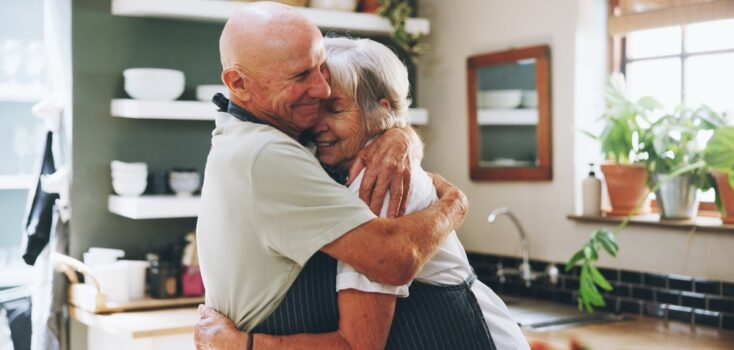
point(709, 80)
point(654, 42)
point(707, 36)
point(660, 79)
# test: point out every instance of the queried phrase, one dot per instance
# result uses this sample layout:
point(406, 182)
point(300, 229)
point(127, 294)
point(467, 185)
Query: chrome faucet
point(524, 270)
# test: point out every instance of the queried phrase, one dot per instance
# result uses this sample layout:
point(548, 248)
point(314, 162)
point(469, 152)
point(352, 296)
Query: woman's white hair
point(367, 72)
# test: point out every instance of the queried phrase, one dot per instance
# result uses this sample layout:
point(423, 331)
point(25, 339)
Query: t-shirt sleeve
point(299, 207)
point(348, 278)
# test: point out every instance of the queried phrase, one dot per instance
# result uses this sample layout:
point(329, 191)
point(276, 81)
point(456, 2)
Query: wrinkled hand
point(387, 163)
point(447, 190)
point(216, 332)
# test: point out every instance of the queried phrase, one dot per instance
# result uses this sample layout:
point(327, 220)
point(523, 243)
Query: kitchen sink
point(542, 314)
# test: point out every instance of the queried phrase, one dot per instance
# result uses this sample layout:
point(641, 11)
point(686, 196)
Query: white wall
point(575, 31)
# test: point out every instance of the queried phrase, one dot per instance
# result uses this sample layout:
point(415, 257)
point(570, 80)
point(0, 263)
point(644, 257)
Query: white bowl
point(499, 99)
point(184, 187)
point(129, 188)
point(206, 92)
point(154, 83)
point(338, 5)
point(118, 166)
point(129, 177)
point(529, 98)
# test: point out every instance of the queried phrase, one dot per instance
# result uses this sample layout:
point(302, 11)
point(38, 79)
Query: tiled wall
point(673, 297)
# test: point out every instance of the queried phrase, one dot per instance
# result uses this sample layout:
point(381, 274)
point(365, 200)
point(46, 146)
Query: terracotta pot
point(726, 193)
point(627, 186)
point(370, 6)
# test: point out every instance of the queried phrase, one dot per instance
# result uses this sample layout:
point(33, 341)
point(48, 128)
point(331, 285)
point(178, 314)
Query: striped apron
point(432, 317)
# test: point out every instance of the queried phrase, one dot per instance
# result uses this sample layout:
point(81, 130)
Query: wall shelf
point(154, 207)
point(21, 92)
point(16, 182)
point(219, 11)
point(507, 116)
point(199, 110)
point(653, 220)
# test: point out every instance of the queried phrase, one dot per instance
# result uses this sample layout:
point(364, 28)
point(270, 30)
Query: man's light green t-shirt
point(266, 207)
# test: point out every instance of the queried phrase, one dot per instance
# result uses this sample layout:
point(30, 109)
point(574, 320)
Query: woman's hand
point(387, 162)
point(214, 331)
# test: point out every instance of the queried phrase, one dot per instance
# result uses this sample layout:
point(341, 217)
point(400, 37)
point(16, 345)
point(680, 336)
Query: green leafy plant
point(719, 152)
point(397, 12)
point(590, 279)
point(624, 120)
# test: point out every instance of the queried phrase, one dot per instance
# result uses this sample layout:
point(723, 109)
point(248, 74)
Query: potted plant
point(719, 157)
point(673, 142)
point(625, 178)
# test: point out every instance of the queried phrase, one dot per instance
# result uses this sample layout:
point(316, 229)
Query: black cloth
point(39, 220)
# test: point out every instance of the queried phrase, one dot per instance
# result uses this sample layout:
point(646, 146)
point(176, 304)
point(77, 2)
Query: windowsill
point(705, 224)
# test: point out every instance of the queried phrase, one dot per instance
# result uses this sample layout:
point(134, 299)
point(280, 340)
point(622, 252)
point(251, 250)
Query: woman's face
point(340, 133)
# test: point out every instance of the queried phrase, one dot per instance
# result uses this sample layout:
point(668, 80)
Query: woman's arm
point(364, 323)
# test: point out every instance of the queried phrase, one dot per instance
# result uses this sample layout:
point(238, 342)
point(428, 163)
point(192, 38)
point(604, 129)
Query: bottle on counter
point(163, 278)
point(591, 194)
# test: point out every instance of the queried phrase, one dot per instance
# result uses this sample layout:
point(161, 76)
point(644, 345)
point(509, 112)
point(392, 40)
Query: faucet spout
point(525, 267)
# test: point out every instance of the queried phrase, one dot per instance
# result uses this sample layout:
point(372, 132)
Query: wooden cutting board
point(87, 298)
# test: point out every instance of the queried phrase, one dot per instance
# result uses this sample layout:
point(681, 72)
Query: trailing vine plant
point(397, 12)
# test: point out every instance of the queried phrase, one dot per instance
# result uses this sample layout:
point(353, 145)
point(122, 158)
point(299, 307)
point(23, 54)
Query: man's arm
point(387, 161)
point(364, 323)
point(392, 251)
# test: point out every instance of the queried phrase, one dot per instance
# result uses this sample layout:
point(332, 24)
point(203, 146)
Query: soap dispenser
point(591, 193)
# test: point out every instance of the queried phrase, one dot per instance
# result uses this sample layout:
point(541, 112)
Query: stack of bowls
point(129, 179)
point(184, 181)
point(154, 83)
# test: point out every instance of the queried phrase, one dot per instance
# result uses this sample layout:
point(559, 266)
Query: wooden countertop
point(141, 324)
point(637, 333)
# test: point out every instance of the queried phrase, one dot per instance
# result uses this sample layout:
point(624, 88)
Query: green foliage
point(624, 120)
point(397, 12)
point(590, 279)
point(719, 153)
point(672, 142)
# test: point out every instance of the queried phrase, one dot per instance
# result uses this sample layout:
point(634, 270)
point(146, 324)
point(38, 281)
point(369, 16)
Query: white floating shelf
point(219, 11)
point(178, 110)
point(22, 92)
point(199, 110)
point(16, 182)
point(507, 116)
point(154, 207)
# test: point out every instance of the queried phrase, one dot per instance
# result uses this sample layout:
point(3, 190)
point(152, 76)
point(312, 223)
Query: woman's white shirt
point(449, 266)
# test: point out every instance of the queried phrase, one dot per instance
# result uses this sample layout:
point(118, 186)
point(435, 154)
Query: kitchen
point(102, 43)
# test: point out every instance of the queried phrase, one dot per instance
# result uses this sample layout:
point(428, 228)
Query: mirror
point(509, 115)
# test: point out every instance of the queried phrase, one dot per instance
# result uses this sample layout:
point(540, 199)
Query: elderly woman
point(370, 91)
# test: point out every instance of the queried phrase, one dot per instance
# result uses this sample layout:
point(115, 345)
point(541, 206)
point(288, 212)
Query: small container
point(191, 281)
point(591, 194)
point(163, 280)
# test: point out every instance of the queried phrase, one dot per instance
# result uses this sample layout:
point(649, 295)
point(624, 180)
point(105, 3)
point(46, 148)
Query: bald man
point(267, 206)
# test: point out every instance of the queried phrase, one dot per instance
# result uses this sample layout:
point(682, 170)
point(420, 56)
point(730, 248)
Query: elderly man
point(267, 205)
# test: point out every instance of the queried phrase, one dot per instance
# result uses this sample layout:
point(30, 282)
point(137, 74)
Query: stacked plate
point(129, 179)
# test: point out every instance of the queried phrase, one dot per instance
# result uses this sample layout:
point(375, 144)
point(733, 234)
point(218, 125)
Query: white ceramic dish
point(184, 186)
point(154, 83)
point(129, 188)
point(206, 92)
point(337, 5)
point(499, 99)
point(529, 99)
point(118, 166)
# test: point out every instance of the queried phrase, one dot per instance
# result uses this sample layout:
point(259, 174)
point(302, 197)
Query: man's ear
point(235, 82)
point(384, 103)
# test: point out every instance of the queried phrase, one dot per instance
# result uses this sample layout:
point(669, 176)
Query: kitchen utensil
point(499, 99)
point(129, 188)
point(337, 5)
point(184, 182)
point(154, 83)
point(206, 92)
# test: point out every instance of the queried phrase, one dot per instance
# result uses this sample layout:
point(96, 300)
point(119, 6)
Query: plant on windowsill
point(673, 142)
point(397, 12)
point(624, 119)
point(718, 155)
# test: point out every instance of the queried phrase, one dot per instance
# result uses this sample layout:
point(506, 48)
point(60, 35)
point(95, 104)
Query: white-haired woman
point(370, 94)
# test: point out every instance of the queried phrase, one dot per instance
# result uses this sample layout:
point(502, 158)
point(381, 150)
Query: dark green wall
point(102, 47)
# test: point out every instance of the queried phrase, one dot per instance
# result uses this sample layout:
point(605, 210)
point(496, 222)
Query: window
point(689, 64)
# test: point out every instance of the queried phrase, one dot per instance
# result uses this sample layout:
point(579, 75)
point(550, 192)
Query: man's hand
point(216, 332)
point(387, 161)
point(445, 189)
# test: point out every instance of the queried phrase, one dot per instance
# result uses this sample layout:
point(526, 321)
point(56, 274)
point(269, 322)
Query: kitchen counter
point(635, 333)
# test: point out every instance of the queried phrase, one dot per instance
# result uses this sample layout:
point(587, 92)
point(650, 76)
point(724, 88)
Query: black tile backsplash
point(655, 280)
point(673, 297)
point(679, 282)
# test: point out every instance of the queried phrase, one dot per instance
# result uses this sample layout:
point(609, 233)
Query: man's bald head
point(260, 30)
